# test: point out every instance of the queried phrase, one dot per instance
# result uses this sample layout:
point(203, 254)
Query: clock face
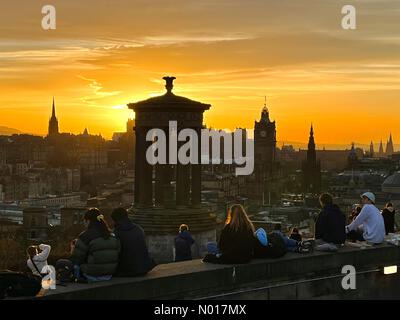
point(263, 134)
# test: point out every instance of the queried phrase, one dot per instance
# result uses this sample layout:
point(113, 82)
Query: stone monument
point(167, 195)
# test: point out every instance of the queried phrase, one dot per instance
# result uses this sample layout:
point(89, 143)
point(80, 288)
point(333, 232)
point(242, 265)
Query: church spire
point(53, 113)
point(311, 167)
point(389, 146)
point(311, 153)
point(380, 149)
point(53, 123)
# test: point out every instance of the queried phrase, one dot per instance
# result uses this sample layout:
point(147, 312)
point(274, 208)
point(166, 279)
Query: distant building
point(389, 147)
point(53, 123)
point(352, 159)
point(371, 150)
point(72, 216)
point(311, 168)
point(264, 151)
point(36, 223)
point(381, 154)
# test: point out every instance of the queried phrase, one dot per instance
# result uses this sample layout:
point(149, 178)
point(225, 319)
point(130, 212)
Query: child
point(37, 260)
point(183, 243)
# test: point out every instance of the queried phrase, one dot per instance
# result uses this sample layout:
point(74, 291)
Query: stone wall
point(295, 276)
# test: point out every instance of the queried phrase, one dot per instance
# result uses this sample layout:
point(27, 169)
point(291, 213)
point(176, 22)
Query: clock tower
point(264, 152)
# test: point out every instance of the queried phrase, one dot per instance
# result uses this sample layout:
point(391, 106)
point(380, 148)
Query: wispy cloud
point(97, 90)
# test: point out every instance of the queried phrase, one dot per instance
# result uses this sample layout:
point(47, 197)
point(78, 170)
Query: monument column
point(144, 175)
point(137, 169)
point(159, 183)
point(182, 182)
point(196, 176)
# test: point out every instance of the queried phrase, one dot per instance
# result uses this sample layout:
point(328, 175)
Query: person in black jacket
point(388, 214)
point(134, 259)
point(330, 225)
point(237, 238)
point(183, 244)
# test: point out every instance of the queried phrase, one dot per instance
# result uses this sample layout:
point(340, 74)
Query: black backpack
point(18, 284)
point(277, 245)
point(65, 271)
point(275, 248)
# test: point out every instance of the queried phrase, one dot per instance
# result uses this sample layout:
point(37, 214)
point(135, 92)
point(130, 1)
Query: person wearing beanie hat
point(368, 225)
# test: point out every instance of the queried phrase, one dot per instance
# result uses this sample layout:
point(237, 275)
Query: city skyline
point(220, 53)
point(296, 144)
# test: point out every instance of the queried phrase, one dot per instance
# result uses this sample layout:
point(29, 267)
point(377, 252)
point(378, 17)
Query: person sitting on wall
point(236, 241)
point(96, 251)
point(369, 225)
point(330, 225)
point(183, 244)
point(37, 258)
point(134, 259)
point(388, 214)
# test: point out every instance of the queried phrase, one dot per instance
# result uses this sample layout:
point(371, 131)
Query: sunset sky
point(229, 53)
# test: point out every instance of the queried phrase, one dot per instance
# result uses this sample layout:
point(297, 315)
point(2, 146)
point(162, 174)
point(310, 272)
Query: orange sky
point(105, 54)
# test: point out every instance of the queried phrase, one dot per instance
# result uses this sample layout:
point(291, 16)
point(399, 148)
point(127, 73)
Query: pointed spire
point(265, 109)
point(311, 142)
point(265, 112)
point(53, 122)
point(389, 146)
point(53, 112)
point(381, 149)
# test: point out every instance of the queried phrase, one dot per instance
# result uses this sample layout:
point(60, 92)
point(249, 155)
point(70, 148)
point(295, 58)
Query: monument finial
point(169, 83)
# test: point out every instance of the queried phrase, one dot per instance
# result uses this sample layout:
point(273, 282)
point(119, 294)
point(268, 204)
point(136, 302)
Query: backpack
point(18, 284)
point(65, 271)
point(277, 245)
point(275, 248)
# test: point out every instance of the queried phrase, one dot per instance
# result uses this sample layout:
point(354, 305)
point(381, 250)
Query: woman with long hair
point(95, 253)
point(237, 238)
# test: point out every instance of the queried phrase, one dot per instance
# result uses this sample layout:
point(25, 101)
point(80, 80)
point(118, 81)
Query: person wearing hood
point(330, 225)
point(183, 244)
point(388, 217)
point(134, 259)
